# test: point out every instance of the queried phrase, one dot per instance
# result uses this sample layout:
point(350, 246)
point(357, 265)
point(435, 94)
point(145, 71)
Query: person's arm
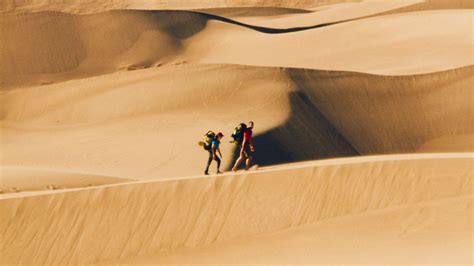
point(219, 150)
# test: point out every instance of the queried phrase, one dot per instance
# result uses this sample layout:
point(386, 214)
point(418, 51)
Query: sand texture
point(364, 131)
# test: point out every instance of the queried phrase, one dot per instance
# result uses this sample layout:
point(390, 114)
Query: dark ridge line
point(274, 30)
point(209, 17)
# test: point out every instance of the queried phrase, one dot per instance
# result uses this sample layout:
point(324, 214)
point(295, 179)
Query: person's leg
point(247, 162)
point(237, 163)
point(248, 155)
point(209, 161)
point(218, 160)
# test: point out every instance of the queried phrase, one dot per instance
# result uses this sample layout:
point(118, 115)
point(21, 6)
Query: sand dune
point(327, 14)
point(101, 126)
point(397, 235)
point(74, 46)
point(407, 43)
point(79, 46)
point(111, 222)
point(23, 179)
point(70, 122)
point(95, 93)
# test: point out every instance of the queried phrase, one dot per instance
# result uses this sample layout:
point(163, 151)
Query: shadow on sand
point(306, 135)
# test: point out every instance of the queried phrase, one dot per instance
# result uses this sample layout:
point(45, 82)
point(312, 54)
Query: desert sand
point(363, 117)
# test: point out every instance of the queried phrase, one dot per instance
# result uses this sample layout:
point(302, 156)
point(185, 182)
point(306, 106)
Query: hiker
point(244, 138)
point(213, 149)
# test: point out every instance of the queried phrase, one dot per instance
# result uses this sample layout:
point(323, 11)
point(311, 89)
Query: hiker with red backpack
point(211, 144)
point(243, 138)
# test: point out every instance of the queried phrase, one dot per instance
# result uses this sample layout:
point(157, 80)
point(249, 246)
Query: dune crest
point(78, 46)
point(144, 218)
point(300, 115)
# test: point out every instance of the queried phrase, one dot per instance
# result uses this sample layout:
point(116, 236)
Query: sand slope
point(400, 44)
point(90, 225)
point(22, 179)
point(394, 235)
point(104, 125)
point(79, 46)
point(76, 46)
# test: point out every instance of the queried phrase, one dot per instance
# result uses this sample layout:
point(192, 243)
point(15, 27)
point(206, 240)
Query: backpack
point(238, 134)
point(208, 138)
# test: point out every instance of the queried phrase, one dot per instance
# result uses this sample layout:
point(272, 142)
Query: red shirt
point(248, 136)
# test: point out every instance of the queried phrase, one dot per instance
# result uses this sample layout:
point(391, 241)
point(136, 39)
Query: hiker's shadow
point(305, 135)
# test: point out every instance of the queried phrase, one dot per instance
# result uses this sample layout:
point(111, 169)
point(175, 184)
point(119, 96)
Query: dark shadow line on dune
point(274, 30)
point(262, 29)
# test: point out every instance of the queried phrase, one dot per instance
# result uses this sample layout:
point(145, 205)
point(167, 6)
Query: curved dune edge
point(22, 180)
point(119, 221)
point(329, 14)
point(177, 37)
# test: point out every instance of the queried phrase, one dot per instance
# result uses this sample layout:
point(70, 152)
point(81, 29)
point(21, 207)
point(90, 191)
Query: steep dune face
point(90, 225)
point(392, 114)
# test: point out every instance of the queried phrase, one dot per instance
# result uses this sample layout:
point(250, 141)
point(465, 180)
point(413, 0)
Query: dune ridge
point(22, 180)
point(178, 213)
point(302, 115)
point(78, 50)
point(78, 46)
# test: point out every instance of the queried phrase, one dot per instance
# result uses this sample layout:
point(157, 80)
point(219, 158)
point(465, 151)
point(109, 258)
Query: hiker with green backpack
point(211, 144)
point(243, 138)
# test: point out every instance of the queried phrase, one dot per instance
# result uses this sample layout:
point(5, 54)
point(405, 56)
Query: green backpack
point(208, 138)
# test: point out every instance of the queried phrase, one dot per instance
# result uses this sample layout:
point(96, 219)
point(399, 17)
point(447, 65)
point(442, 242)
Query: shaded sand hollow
point(102, 92)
